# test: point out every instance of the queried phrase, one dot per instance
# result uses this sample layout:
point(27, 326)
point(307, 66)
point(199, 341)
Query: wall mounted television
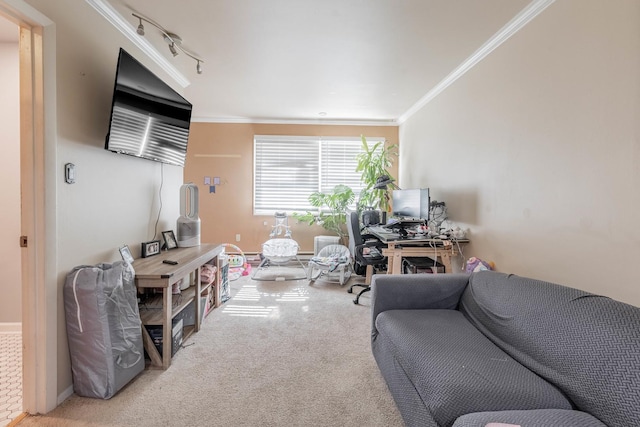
point(148, 118)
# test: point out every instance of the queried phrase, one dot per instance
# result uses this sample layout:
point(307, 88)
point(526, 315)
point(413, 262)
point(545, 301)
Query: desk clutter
point(413, 229)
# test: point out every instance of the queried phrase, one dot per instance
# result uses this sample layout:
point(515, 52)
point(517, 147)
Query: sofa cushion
point(585, 344)
point(457, 370)
point(533, 418)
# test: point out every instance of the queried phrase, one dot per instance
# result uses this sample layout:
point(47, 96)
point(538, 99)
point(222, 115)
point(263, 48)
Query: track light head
point(173, 40)
point(172, 48)
point(140, 29)
point(199, 67)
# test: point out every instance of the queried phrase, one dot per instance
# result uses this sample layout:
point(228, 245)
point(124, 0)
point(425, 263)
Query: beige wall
point(230, 210)
point(11, 286)
point(537, 149)
point(115, 199)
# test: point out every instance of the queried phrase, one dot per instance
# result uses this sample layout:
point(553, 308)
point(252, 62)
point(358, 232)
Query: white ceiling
point(291, 60)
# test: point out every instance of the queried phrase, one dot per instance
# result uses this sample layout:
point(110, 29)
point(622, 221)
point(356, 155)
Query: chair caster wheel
point(350, 290)
point(355, 301)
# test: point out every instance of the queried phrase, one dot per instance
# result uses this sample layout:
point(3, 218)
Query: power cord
point(155, 231)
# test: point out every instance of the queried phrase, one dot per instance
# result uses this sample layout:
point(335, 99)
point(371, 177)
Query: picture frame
point(170, 241)
point(150, 248)
point(125, 253)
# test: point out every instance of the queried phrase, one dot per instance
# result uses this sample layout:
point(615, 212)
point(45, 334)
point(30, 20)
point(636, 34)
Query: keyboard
point(378, 229)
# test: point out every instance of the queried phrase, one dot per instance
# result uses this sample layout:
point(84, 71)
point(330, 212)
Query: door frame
point(38, 215)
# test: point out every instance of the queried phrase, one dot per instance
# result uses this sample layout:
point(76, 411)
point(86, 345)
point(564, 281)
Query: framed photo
point(170, 241)
point(125, 253)
point(150, 248)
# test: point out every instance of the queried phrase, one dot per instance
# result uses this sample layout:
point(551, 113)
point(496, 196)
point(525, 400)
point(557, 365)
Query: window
point(287, 169)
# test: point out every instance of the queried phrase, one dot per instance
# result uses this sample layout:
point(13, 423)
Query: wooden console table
point(151, 272)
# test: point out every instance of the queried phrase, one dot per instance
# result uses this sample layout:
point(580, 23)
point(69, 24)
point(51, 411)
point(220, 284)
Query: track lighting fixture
point(173, 40)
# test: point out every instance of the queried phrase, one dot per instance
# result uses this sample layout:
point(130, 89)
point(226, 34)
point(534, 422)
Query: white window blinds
point(288, 169)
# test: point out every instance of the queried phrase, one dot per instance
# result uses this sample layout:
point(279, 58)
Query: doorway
point(11, 316)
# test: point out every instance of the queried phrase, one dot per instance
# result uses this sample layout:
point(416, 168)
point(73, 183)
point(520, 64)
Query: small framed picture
point(169, 239)
point(125, 253)
point(150, 248)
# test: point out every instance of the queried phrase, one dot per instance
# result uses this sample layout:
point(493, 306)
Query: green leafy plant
point(332, 210)
point(374, 162)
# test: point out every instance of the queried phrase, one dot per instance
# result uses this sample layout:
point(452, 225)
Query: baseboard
point(254, 258)
point(65, 395)
point(17, 419)
point(11, 328)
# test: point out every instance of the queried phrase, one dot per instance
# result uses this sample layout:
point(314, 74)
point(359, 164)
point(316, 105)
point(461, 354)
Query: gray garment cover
point(103, 328)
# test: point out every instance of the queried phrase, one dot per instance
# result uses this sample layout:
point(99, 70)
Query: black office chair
point(366, 250)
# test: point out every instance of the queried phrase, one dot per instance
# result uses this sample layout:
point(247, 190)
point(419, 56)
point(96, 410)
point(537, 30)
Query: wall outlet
point(237, 237)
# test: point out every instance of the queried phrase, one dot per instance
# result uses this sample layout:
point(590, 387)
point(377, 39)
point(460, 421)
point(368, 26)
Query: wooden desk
point(151, 272)
point(398, 248)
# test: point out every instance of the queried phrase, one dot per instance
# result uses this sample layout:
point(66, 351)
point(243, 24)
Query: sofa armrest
point(530, 418)
point(415, 292)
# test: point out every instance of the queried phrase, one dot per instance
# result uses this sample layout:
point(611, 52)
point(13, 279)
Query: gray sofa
point(467, 350)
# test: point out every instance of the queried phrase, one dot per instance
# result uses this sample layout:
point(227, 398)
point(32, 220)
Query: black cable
point(155, 231)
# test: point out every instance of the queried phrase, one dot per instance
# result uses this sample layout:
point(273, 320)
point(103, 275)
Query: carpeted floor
point(279, 353)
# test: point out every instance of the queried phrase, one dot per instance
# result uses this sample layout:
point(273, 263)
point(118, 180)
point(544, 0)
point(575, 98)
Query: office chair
point(366, 250)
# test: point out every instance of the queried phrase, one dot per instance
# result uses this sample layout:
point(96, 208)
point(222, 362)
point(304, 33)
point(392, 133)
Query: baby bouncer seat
point(332, 260)
point(278, 253)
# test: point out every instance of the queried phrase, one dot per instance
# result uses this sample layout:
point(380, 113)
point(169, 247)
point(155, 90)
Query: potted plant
point(332, 210)
point(373, 164)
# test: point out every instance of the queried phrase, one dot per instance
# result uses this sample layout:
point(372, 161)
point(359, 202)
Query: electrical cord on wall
point(155, 231)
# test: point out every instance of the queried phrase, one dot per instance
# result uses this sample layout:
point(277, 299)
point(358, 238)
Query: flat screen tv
point(148, 118)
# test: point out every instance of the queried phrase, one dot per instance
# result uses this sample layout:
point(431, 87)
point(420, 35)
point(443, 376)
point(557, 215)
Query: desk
point(151, 272)
point(398, 248)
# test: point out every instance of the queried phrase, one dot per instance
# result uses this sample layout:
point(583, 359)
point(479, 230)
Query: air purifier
point(188, 225)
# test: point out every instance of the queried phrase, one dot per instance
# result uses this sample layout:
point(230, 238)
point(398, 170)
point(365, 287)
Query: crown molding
point(525, 16)
point(295, 121)
point(110, 14)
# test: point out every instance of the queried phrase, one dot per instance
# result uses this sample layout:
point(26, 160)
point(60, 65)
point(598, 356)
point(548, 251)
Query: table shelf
point(152, 310)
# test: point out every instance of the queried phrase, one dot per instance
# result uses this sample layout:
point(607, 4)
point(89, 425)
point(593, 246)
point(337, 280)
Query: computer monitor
point(410, 203)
